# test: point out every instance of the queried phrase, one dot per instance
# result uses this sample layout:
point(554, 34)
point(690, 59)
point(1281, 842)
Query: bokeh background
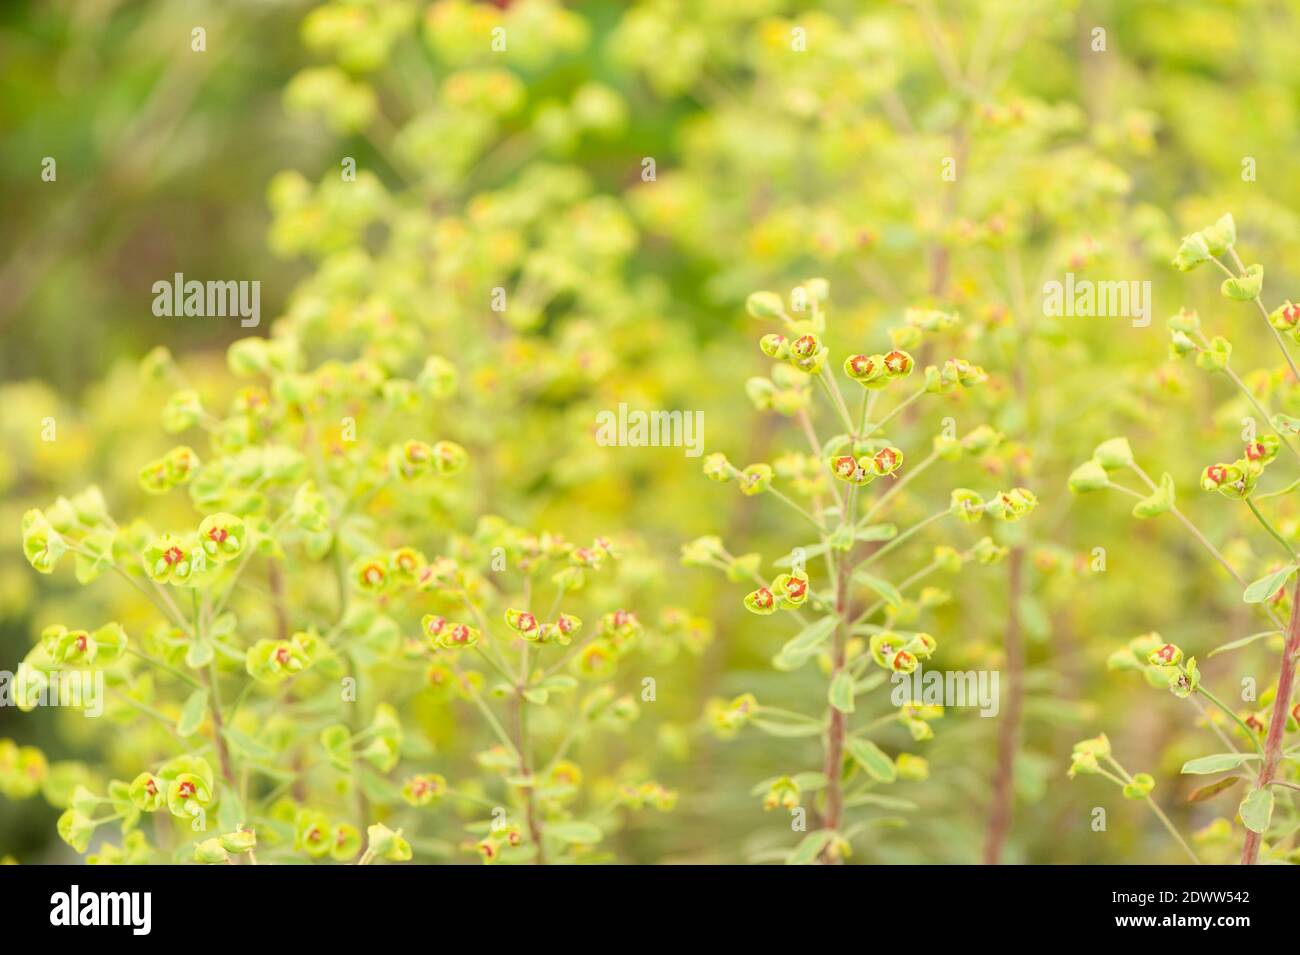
point(771, 165)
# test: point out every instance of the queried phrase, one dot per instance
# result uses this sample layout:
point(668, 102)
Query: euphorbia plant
point(860, 620)
point(1255, 738)
point(280, 715)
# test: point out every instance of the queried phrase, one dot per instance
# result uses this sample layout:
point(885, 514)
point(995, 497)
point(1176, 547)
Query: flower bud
point(42, 544)
point(884, 647)
point(1263, 450)
point(449, 457)
point(425, 789)
point(718, 468)
point(222, 536)
point(1089, 476)
point(857, 471)
point(1191, 252)
point(755, 479)
point(782, 793)
point(967, 505)
point(146, 793)
point(1140, 787)
point(370, 574)
point(765, 305)
point(886, 461)
point(1186, 322)
point(170, 560)
point(388, 844)
point(1285, 317)
point(868, 370)
point(775, 345)
point(1244, 288)
point(1113, 454)
point(1221, 236)
point(899, 364)
point(913, 767)
point(458, 636)
point(762, 601)
point(1013, 505)
point(792, 589)
point(1166, 655)
point(1214, 358)
point(210, 851)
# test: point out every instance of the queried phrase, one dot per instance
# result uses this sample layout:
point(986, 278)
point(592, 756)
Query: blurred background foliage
point(524, 169)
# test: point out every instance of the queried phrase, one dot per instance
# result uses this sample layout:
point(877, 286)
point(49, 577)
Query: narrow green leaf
point(884, 802)
point(787, 730)
point(876, 532)
point(1244, 641)
point(1218, 763)
point(873, 760)
point(192, 713)
point(247, 745)
point(882, 587)
point(841, 692)
point(574, 830)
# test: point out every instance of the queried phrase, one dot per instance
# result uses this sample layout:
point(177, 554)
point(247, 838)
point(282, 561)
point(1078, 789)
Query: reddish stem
point(1277, 725)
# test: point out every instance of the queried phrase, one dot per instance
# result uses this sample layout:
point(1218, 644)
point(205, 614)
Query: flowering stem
point(1269, 527)
point(521, 747)
point(1223, 737)
point(837, 401)
point(898, 409)
point(835, 730)
point(898, 486)
point(1160, 814)
point(1295, 372)
point(914, 529)
point(1228, 712)
point(1277, 724)
point(784, 498)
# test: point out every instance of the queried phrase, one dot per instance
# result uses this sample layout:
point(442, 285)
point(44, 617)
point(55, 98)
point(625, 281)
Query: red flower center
point(173, 555)
point(219, 534)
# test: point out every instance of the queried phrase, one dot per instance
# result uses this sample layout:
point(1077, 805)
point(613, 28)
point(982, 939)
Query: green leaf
point(1218, 763)
point(1260, 590)
point(882, 587)
point(873, 760)
point(807, 851)
point(1244, 641)
point(809, 781)
point(804, 644)
point(247, 745)
point(536, 695)
point(192, 713)
point(884, 802)
point(1257, 809)
point(1159, 501)
point(841, 692)
point(576, 831)
point(876, 532)
point(199, 654)
point(788, 730)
